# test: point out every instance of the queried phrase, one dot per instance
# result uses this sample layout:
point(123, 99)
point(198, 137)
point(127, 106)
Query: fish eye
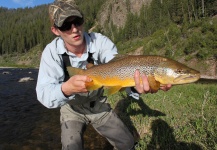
point(179, 71)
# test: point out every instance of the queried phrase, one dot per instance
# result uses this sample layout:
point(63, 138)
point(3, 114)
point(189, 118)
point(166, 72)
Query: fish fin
point(74, 71)
point(91, 86)
point(122, 89)
point(113, 89)
point(154, 85)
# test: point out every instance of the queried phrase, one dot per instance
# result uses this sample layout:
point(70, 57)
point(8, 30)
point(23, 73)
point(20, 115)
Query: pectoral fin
point(114, 89)
point(91, 86)
point(154, 85)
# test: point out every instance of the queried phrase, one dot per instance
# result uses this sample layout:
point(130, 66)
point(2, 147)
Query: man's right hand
point(75, 84)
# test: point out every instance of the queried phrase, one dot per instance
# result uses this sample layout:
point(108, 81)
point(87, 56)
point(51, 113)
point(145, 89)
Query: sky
point(23, 3)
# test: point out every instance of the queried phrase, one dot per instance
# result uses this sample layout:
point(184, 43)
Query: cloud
point(24, 3)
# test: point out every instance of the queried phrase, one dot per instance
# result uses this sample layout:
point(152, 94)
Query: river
point(26, 124)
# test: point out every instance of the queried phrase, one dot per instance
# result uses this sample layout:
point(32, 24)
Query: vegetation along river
point(27, 124)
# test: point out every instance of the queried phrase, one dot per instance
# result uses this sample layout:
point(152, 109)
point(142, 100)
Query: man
point(80, 107)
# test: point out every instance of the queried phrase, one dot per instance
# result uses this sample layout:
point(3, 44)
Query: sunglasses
point(68, 24)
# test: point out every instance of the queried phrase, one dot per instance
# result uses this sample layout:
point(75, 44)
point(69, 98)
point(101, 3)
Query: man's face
point(71, 31)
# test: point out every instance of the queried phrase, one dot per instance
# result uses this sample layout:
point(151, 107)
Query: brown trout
point(119, 72)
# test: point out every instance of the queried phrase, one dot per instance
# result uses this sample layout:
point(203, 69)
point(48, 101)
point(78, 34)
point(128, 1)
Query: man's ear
point(55, 31)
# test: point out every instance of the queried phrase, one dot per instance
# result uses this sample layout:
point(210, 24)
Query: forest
point(194, 20)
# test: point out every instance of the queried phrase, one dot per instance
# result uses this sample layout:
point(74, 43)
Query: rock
point(6, 72)
point(26, 79)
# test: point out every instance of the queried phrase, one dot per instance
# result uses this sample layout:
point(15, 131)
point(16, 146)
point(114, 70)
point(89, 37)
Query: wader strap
point(66, 63)
point(90, 58)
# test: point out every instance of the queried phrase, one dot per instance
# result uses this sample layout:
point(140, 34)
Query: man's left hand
point(143, 87)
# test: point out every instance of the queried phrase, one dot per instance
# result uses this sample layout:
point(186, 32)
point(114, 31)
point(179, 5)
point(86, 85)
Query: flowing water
point(26, 124)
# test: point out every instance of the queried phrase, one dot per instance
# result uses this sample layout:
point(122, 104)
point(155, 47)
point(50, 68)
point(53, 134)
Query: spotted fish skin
point(126, 67)
point(119, 72)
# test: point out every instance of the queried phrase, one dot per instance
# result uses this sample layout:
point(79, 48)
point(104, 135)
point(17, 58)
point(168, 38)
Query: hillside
point(186, 32)
point(116, 11)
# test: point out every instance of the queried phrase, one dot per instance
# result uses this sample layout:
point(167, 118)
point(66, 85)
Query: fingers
point(82, 78)
point(75, 84)
point(145, 82)
point(141, 87)
point(137, 80)
point(142, 84)
point(78, 82)
point(166, 87)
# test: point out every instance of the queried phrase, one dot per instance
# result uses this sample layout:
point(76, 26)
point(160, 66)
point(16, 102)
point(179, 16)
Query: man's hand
point(166, 87)
point(75, 84)
point(144, 86)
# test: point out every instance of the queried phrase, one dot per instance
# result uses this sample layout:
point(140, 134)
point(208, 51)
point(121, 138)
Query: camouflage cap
point(62, 9)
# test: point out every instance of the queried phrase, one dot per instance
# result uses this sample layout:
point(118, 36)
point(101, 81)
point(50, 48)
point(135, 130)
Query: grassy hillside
point(31, 59)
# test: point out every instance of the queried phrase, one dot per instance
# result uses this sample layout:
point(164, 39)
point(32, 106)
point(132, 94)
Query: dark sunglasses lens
point(68, 24)
point(78, 22)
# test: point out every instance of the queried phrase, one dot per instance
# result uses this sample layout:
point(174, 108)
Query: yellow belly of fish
point(113, 83)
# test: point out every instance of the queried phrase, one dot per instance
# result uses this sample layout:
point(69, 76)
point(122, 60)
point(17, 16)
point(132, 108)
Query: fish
point(119, 72)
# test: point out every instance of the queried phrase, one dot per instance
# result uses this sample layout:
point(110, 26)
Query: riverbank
point(6, 67)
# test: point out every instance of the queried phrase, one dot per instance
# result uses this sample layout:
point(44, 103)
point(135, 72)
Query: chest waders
point(92, 105)
point(91, 108)
point(89, 95)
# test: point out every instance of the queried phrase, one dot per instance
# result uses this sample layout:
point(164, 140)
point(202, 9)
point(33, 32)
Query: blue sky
point(23, 3)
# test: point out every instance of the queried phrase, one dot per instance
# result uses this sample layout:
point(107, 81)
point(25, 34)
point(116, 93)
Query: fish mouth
point(186, 78)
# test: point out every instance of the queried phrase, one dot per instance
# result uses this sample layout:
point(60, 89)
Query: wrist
point(65, 90)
